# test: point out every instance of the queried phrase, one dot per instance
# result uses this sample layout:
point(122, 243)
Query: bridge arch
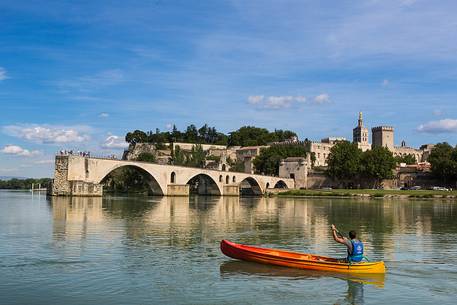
point(250, 186)
point(203, 184)
point(280, 185)
point(153, 183)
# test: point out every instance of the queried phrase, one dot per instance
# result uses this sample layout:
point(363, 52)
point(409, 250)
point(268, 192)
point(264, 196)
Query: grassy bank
point(370, 193)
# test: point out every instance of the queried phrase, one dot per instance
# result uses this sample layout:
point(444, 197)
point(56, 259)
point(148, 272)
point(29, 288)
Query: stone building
point(360, 135)
point(297, 169)
point(383, 136)
point(322, 149)
point(403, 150)
point(247, 155)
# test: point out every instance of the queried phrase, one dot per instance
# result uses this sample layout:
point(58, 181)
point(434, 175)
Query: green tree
point(178, 157)
point(235, 165)
point(24, 184)
point(254, 136)
point(191, 134)
point(137, 136)
point(267, 162)
point(408, 159)
point(344, 161)
point(378, 164)
point(146, 157)
point(443, 160)
point(197, 157)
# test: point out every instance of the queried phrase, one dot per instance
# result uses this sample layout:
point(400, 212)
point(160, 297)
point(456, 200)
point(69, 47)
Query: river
point(165, 250)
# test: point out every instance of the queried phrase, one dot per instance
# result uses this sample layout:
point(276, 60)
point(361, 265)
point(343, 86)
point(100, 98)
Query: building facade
point(383, 136)
point(360, 135)
point(296, 168)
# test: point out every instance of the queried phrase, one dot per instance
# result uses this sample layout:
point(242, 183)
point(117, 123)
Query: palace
point(380, 135)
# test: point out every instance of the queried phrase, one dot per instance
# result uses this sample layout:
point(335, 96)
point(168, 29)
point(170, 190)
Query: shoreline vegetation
point(24, 184)
point(369, 193)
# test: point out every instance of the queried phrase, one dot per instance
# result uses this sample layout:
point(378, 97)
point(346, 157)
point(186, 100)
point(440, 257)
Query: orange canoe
point(297, 260)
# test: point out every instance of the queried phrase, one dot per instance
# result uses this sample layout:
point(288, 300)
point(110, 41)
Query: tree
point(443, 160)
point(197, 157)
point(344, 161)
point(146, 157)
point(267, 162)
point(137, 136)
point(191, 134)
point(248, 136)
point(235, 166)
point(178, 157)
point(408, 159)
point(254, 136)
point(378, 164)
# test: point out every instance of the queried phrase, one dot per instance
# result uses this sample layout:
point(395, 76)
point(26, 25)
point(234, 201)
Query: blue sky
point(80, 75)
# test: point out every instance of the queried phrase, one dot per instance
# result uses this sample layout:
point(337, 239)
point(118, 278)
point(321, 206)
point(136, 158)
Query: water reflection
point(166, 250)
point(355, 283)
point(296, 224)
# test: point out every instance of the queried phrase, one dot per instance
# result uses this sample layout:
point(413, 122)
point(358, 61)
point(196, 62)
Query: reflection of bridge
point(84, 176)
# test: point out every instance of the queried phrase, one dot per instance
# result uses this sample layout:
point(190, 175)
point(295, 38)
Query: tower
point(360, 133)
point(383, 136)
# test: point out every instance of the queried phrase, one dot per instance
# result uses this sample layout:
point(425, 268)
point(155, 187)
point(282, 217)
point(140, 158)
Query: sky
point(80, 74)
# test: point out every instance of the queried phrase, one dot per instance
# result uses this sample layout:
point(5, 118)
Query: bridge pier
point(61, 186)
point(231, 190)
point(177, 190)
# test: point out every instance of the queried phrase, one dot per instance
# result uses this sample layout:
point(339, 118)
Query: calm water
point(166, 250)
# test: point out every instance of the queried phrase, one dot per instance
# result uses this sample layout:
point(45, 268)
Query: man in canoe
point(353, 245)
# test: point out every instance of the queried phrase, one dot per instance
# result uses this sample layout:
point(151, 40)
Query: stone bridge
point(84, 176)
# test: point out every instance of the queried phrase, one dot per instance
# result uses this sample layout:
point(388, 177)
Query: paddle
point(339, 233)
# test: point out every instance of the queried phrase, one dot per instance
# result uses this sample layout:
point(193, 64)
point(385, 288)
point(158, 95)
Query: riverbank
point(369, 193)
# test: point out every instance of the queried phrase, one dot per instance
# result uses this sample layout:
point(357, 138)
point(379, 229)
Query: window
point(173, 177)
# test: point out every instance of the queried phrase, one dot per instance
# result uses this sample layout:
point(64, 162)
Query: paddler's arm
point(337, 238)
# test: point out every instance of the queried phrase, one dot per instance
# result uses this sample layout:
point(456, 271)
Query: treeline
point(24, 184)
point(245, 136)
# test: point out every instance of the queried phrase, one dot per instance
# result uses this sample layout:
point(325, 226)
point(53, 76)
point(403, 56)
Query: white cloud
point(385, 83)
point(275, 102)
point(103, 115)
point(441, 126)
point(19, 151)
point(114, 142)
point(322, 98)
point(3, 75)
point(49, 134)
point(255, 99)
point(169, 126)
